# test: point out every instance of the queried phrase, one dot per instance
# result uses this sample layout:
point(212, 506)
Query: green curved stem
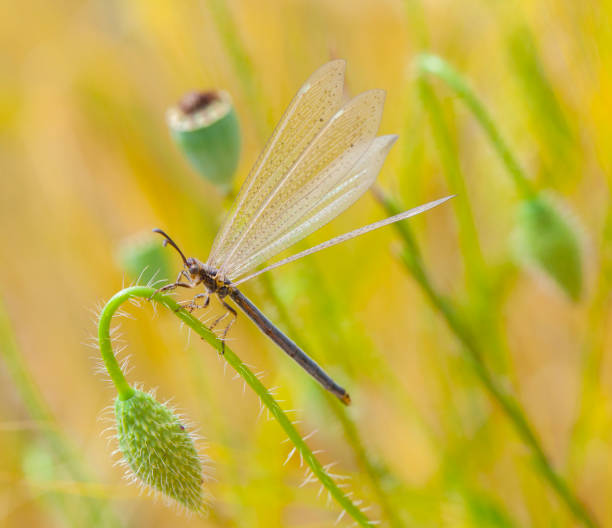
point(473, 352)
point(106, 349)
point(428, 63)
point(252, 381)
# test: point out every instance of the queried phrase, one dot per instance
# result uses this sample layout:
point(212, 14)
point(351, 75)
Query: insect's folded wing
point(351, 186)
point(348, 236)
point(312, 107)
point(324, 165)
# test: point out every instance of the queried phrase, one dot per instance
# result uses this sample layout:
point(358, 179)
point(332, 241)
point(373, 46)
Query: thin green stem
point(242, 63)
point(473, 352)
point(594, 353)
point(415, 15)
point(349, 428)
point(433, 64)
point(124, 389)
point(468, 236)
point(252, 381)
point(374, 471)
point(479, 282)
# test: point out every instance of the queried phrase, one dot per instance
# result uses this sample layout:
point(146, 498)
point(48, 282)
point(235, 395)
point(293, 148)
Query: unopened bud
point(547, 238)
point(159, 450)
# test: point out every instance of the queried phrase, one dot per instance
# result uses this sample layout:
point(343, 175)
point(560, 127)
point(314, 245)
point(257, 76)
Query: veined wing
point(309, 111)
point(347, 190)
point(323, 164)
point(347, 236)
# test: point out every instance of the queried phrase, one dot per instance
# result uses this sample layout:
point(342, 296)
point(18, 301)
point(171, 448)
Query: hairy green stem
point(375, 472)
point(473, 352)
point(434, 65)
point(251, 380)
point(124, 389)
point(97, 514)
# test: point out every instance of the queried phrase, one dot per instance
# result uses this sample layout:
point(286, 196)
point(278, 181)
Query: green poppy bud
point(547, 238)
point(143, 258)
point(159, 451)
point(206, 128)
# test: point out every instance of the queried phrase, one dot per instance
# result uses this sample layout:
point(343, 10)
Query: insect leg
point(229, 325)
point(220, 318)
point(193, 305)
point(177, 282)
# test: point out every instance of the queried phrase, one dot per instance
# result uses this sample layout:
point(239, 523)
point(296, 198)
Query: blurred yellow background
point(86, 161)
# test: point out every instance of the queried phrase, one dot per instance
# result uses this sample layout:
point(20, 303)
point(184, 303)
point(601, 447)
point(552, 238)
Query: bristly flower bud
point(547, 238)
point(206, 128)
point(159, 450)
point(143, 258)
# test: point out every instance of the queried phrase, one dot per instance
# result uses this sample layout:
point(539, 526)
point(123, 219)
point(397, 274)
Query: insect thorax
point(214, 281)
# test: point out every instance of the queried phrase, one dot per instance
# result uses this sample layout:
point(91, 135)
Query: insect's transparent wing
point(348, 236)
point(324, 163)
point(350, 187)
point(309, 111)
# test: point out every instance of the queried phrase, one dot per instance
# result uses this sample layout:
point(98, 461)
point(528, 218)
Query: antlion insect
point(320, 159)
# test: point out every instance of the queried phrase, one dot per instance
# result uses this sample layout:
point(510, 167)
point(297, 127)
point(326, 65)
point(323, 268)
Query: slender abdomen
point(288, 346)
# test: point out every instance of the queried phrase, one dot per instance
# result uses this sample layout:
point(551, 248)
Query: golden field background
point(87, 162)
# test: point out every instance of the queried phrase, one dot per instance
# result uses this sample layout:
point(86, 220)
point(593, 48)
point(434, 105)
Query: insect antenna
point(171, 242)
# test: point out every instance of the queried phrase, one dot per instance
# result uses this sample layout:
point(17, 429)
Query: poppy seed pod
point(547, 238)
point(159, 451)
point(206, 128)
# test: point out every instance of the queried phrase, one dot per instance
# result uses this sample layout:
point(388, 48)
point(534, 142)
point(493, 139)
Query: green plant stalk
point(374, 472)
point(217, 428)
point(475, 266)
point(349, 428)
point(38, 409)
point(243, 66)
point(435, 65)
point(415, 14)
point(266, 398)
point(544, 104)
point(594, 352)
point(412, 259)
point(478, 280)
point(124, 390)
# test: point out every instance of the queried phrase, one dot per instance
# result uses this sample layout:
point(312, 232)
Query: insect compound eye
point(193, 270)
